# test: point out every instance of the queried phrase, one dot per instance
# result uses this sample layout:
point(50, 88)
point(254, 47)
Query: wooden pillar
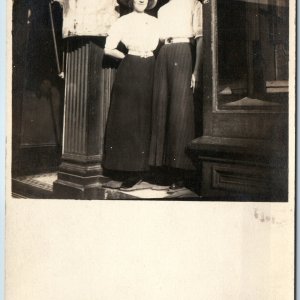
point(80, 168)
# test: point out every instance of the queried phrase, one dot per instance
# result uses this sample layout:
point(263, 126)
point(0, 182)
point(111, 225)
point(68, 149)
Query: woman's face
point(140, 5)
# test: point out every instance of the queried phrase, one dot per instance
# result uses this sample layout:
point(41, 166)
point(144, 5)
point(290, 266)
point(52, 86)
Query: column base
point(78, 181)
point(69, 190)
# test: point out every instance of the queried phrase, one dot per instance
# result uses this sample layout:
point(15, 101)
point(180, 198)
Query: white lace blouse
point(137, 31)
point(180, 19)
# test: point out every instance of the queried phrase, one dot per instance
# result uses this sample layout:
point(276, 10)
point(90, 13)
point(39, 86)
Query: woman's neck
point(138, 12)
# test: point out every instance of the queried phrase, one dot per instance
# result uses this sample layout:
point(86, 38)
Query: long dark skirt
point(128, 127)
point(173, 124)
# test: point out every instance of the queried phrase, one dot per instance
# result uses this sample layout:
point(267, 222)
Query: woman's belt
point(177, 40)
point(143, 54)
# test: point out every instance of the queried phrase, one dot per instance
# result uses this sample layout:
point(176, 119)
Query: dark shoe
point(130, 182)
point(140, 185)
point(157, 187)
point(112, 184)
point(176, 186)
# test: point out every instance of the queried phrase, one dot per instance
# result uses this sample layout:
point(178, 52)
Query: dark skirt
point(173, 124)
point(128, 129)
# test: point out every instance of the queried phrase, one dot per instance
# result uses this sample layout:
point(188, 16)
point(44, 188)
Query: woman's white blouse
point(180, 19)
point(137, 31)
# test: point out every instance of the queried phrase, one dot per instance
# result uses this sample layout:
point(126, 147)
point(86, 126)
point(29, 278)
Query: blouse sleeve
point(161, 24)
point(156, 34)
point(114, 35)
point(198, 20)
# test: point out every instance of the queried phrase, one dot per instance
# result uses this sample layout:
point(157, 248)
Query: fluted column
point(84, 120)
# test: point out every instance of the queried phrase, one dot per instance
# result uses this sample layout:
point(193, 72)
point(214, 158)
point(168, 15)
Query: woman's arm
point(198, 64)
point(114, 53)
point(113, 39)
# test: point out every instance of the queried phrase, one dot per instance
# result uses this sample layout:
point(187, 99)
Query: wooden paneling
point(231, 181)
point(34, 145)
point(263, 126)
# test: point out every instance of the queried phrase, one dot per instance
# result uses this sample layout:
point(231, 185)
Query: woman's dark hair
point(130, 4)
point(150, 2)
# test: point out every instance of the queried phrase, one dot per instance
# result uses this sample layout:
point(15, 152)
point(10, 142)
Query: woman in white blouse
point(177, 74)
point(128, 128)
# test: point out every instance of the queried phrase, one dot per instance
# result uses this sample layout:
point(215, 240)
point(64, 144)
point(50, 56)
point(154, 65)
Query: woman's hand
point(121, 55)
point(195, 82)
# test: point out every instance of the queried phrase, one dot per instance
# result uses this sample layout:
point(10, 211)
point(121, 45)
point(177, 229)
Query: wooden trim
point(81, 157)
point(28, 146)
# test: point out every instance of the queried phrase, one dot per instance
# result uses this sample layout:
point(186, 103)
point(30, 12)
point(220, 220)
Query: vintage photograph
point(177, 118)
point(151, 99)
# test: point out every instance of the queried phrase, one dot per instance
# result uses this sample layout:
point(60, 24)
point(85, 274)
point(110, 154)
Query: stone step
point(40, 186)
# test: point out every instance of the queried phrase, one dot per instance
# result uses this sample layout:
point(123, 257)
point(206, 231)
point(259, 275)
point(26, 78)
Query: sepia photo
point(150, 149)
point(150, 99)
